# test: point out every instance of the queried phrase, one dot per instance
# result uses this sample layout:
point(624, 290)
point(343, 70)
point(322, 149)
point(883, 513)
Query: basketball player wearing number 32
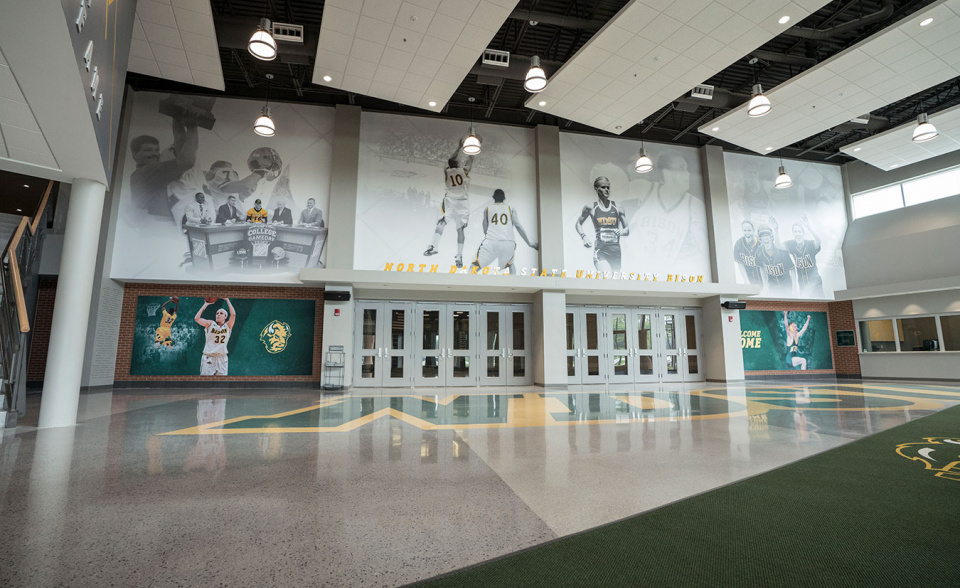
point(607, 222)
point(213, 362)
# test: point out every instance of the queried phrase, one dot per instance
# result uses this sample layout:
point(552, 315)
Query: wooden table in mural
point(254, 245)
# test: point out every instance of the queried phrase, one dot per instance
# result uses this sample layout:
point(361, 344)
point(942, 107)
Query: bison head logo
point(275, 336)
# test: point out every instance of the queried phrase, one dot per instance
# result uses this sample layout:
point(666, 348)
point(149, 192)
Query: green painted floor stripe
point(857, 516)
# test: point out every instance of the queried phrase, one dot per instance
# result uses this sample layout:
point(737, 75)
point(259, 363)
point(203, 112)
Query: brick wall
point(132, 291)
point(43, 318)
point(839, 317)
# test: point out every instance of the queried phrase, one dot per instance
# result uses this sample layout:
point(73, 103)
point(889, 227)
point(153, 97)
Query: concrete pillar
point(61, 383)
point(338, 330)
point(550, 213)
point(343, 187)
point(721, 340)
point(718, 215)
point(549, 335)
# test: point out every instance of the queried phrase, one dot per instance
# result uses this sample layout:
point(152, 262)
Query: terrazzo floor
point(386, 487)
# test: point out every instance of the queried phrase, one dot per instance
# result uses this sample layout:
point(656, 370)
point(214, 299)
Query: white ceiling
point(895, 148)
point(175, 40)
point(655, 51)
point(893, 64)
point(411, 51)
point(20, 135)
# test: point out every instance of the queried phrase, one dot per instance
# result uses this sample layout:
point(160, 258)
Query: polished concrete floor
point(385, 487)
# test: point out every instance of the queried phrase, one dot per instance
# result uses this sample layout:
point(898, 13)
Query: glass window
point(877, 201)
point(519, 336)
point(369, 328)
point(493, 330)
point(950, 325)
point(932, 187)
point(918, 334)
point(877, 335)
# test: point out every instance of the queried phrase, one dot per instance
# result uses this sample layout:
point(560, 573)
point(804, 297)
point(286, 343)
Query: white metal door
point(691, 364)
point(585, 363)
point(572, 334)
point(430, 352)
point(461, 344)
point(643, 321)
point(397, 337)
point(619, 356)
point(493, 347)
point(669, 343)
point(368, 350)
point(518, 365)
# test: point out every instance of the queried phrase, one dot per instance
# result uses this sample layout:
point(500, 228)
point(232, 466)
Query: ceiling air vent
point(289, 33)
point(703, 91)
point(496, 58)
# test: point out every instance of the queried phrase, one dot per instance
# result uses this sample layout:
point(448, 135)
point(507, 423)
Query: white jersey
point(217, 338)
point(457, 180)
point(499, 222)
point(662, 232)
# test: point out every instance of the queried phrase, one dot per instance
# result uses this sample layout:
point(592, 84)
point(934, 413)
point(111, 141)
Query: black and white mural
point(618, 221)
point(204, 198)
point(786, 240)
point(422, 201)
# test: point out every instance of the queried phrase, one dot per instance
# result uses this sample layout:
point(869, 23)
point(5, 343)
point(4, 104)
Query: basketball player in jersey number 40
point(456, 204)
point(213, 362)
point(609, 225)
point(499, 244)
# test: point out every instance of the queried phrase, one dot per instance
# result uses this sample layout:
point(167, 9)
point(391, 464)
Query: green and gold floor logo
point(938, 454)
point(275, 336)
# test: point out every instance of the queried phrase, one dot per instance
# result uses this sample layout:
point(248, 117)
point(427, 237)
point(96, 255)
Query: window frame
point(903, 199)
point(896, 332)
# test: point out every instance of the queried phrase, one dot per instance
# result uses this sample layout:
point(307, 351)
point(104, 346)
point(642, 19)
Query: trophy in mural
point(180, 106)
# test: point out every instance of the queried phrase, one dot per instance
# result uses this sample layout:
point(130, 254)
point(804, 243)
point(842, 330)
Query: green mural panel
point(763, 339)
point(269, 337)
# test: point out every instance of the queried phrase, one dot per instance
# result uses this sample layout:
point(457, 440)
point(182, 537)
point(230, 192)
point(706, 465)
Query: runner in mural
point(609, 224)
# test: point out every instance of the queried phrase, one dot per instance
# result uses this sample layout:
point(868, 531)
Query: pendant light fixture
point(262, 44)
point(783, 180)
point(536, 79)
point(644, 163)
point(471, 143)
point(759, 104)
point(925, 130)
point(264, 126)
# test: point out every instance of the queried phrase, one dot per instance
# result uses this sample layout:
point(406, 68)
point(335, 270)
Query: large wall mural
point(204, 198)
point(617, 221)
point(421, 202)
point(786, 241)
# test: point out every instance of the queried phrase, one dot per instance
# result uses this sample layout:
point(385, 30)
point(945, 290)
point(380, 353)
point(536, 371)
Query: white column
point(549, 337)
point(721, 339)
point(68, 332)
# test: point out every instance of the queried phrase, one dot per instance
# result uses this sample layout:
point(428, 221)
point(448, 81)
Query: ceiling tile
point(161, 35)
point(201, 6)
point(192, 22)
point(446, 28)
point(156, 13)
point(413, 17)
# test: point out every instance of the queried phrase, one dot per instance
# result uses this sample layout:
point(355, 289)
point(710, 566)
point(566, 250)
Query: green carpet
point(858, 515)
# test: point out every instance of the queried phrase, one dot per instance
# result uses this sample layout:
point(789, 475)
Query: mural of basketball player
point(164, 335)
point(213, 361)
point(609, 224)
point(456, 204)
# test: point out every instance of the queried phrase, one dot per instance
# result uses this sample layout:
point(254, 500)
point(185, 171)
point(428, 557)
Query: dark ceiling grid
point(828, 31)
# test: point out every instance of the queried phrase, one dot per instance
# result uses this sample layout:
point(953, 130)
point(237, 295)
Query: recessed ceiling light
point(542, 103)
point(19, 210)
point(784, 19)
point(894, 165)
point(432, 103)
point(715, 129)
point(925, 22)
point(618, 127)
point(26, 185)
point(327, 79)
point(769, 148)
point(855, 149)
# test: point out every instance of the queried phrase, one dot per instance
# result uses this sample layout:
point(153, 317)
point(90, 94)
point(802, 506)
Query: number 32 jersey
point(217, 338)
point(499, 222)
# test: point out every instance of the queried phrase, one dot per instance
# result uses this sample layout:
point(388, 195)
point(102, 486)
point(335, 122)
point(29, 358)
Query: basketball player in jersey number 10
point(609, 225)
point(213, 362)
point(456, 204)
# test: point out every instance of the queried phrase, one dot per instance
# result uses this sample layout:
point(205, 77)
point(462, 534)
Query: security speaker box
point(336, 295)
point(734, 305)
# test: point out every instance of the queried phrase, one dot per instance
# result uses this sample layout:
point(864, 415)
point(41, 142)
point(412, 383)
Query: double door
point(441, 344)
point(633, 345)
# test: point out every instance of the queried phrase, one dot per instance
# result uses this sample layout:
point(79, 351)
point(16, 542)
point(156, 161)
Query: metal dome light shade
point(925, 130)
point(644, 163)
point(262, 44)
point(472, 143)
point(759, 105)
point(264, 126)
point(536, 79)
point(783, 180)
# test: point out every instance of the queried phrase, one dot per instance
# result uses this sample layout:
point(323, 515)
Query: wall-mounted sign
point(846, 339)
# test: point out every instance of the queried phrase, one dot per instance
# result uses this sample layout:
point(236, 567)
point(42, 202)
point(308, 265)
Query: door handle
point(379, 351)
point(443, 353)
point(509, 352)
point(503, 352)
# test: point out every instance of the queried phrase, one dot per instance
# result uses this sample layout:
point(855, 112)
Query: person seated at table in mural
point(149, 181)
point(609, 224)
point(281, 214)
point(213, 360)
point(257, 214)
point(199, 212)
point(804, 252)
point(778, 269)
point(229, 213)
point(793, 342)
point(667, 220)
point(745, 254)
point(164, 335)
point(311, 215)
point(499, 243)
point(456, 203)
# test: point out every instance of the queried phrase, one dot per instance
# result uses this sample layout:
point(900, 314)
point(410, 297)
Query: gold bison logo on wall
point(275, 336)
